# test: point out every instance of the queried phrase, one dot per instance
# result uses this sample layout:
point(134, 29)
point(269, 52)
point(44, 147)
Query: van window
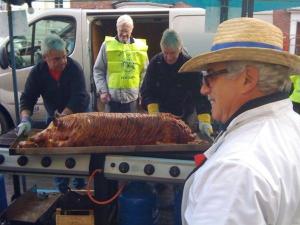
point(28, 47)
point(22, 45)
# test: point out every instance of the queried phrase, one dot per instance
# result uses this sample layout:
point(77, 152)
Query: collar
point(256, 103)
point(178, 61)
point(131, 40)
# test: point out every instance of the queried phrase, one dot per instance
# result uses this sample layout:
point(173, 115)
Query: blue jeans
point(62, 183)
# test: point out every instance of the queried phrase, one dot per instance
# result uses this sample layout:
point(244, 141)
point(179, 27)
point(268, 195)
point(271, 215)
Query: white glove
point(24, 126)
point(205, 129)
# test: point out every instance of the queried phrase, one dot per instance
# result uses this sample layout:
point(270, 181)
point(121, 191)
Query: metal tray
point(200, 146)
point(171, 148)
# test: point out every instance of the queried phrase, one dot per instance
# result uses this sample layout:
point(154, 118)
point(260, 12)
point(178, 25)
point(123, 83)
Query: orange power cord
point(105, 202)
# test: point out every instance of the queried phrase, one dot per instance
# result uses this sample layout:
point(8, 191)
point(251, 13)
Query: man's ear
point(251, 77)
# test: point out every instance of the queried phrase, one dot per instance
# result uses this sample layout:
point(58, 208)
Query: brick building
point(289, 22)
point(294, 31)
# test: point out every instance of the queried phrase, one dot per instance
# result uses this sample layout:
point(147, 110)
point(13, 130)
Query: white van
point(84, 32)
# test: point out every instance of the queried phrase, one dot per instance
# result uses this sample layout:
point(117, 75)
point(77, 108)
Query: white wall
point(264, 15)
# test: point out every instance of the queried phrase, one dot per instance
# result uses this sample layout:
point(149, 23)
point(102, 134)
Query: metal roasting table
point(163, 163)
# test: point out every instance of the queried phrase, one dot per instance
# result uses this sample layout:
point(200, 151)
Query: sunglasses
point(209, 75)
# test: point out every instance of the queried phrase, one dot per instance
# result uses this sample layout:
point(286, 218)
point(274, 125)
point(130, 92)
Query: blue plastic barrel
point(138, 205)
point(3, 201)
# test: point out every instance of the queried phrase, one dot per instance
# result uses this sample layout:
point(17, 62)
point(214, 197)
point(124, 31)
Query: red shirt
point(55, 74)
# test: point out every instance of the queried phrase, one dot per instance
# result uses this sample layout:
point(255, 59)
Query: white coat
point(252, 172)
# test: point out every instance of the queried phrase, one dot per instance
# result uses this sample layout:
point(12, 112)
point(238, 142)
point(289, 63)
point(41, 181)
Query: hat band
point(243, 44)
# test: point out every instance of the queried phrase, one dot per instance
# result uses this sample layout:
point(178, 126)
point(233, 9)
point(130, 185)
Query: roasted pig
point(111, 129)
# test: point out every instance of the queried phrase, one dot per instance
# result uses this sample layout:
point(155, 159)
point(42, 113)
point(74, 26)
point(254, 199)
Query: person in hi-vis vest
point(120, 67)
point(166, 90)
point(295, 96)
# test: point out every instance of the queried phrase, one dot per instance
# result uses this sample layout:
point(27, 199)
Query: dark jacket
point(177, 93)
point(69, 91)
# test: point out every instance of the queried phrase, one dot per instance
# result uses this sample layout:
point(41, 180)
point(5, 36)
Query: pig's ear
point(57, 122)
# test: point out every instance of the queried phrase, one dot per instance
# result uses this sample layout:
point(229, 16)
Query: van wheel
point(4, 124)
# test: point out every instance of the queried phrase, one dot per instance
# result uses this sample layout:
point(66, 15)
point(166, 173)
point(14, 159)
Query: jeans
point(62, 183)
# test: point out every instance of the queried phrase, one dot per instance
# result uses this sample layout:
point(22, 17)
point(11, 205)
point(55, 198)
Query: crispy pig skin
point(112, 129)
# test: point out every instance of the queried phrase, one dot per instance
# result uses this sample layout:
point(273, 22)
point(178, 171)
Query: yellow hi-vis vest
point(295, 96)
point(125, 62)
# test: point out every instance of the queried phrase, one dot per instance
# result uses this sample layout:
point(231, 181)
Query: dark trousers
point(62, 183)
point(118, 107)
point(296, 107)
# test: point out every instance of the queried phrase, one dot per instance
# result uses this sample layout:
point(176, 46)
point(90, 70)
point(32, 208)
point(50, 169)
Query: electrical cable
point(104, 202)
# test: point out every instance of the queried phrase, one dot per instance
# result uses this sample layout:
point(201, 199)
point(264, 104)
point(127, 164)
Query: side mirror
point(4, 58)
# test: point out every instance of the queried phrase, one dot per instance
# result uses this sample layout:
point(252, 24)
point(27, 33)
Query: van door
point(148, 25)
point(28, 54)
point(190, 25)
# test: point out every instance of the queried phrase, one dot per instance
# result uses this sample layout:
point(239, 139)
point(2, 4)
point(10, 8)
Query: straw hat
point(247, 39)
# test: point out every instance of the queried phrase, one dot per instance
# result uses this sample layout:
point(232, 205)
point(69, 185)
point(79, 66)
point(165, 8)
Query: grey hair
point(170, 39)
point(124, 19)
point(272, 77)
point(52, 42)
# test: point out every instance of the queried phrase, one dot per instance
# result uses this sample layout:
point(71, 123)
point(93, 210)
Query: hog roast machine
point(169, 163)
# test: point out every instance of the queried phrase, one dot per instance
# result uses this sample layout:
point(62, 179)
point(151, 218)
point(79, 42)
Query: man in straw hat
point(251, 174)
